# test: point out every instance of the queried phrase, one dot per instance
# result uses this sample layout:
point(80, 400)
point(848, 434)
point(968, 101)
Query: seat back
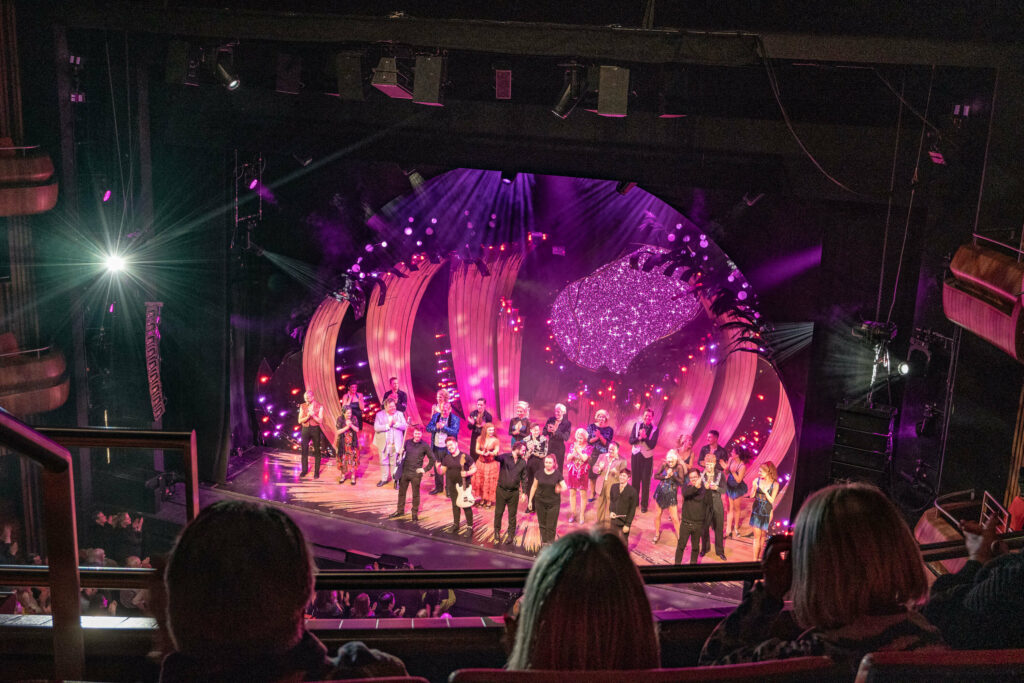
point(951, 665)
point(796, 670)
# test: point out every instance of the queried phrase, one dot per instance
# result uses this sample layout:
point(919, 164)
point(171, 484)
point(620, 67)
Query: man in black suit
point(692, 522)
point(643, 438)
point(712, 447)
point(478, 419)
point(417, 460)
point(401, 399)
point(624, 500)
point(511, 482)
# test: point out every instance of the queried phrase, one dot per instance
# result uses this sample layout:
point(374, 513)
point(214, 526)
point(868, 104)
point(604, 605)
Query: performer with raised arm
point(623, 504)
point(546, 498)
point(311, 415)
point(347, 445)
point(519, 425)
point(577, 465)
point(511, 490)
point(457, 468)
point(390, 428)
point(713, 480)
point(643, 438)
point(558, 429)
point(599, 435)
point(418, 458)
point(443, 423)
point(401, 398)
point(477, 420)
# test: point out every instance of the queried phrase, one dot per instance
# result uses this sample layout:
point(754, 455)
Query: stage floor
point(273, 475)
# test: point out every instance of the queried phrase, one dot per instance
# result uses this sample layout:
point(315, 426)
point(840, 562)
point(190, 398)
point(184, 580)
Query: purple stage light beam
point(610, 316)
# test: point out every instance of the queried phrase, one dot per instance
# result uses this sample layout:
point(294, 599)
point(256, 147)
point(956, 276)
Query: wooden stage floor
point(274, 476)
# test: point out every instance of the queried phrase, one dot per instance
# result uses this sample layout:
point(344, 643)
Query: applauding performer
point(577, 465)
point(311, 414)
point(457, 469)
point(478, 419)
point(713, 479)
point(390, 427)
point(519, 425)
point(643, 438)
point(347, 445)
point(443, 423)
point(623, 504)
point(510, 490)
point(558, 429)
point(599, 435)
point(546, 499)
point(417, 460)
point(694, 513)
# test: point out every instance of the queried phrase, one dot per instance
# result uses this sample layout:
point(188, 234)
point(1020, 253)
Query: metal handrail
point(107, 437)
point(22, 352)
point(61, 538)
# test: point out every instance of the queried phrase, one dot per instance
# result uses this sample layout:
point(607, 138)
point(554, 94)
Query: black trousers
point(505, 498)
point(314, 434)
point(547, 518)
point(620, 525)
point(454, 495)
point(642, 469)
point(403, 485)
point(689, 531)
point(439, 454)
point(715, 520)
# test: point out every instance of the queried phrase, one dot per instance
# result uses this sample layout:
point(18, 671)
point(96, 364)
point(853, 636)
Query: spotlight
point(391, 80)
point(572, 91)
point(224, 72)
point(253, 183)
point(903, 368)
point(106, 196)
point(508, 176)
point(115, 263)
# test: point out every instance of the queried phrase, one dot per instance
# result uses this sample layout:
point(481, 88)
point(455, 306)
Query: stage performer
point(735, 488)
point(691, 527)
point(713, 480)
point(311, 414)
point(354, 400)
point(546, 498)
point(713, 447)
point(643, 438)
point(623, 503)
point(443, 423)
point(486, 479)
point(519, 425)
point(401, 398)
point(610, 464)
point(477, 420)
point(390, 427)
point(457, 469)
point(536, 450)
point(599, 435)
point(766, 488)
point(510, 490)
point(347, 446)
point(417, 459)
point(577, 465)
point(684, 451)
point(670, 477)
point(558, 429)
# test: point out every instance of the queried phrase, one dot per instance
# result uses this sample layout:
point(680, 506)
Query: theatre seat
point(797, 670)
point(385, 679)
point(952, 665)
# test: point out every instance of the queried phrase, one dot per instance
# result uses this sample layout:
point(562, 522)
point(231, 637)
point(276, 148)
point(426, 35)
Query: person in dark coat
point(624, 501)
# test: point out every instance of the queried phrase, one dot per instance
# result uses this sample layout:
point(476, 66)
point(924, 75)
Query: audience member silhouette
point(852, 569)
point(563, 627)
point(238, 581)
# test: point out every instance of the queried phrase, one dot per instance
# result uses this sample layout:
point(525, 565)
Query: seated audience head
point(238, 580)
point(853, 556)
point(361, 606)
point(562, 627)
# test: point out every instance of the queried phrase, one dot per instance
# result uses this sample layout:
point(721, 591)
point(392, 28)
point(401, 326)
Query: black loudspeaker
point(862, 448)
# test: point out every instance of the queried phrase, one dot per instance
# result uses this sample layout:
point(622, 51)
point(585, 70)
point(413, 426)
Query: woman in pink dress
point(485, 483)
point(577, 467)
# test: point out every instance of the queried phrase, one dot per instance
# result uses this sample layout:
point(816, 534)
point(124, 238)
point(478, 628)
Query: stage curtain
point(389, 330)
point(486, 353)
point(318, 354)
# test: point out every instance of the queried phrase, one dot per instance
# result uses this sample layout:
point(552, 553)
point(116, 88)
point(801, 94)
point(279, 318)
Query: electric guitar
point(464, 495)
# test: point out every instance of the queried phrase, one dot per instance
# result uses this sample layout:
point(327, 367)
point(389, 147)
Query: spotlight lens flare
point(115, 263)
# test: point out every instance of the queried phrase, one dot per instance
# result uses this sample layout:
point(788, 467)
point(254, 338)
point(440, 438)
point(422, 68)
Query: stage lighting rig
point(223, 69)
point(115, 263)
point(575, 83)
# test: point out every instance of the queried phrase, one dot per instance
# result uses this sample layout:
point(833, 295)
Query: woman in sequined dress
point(577, 468)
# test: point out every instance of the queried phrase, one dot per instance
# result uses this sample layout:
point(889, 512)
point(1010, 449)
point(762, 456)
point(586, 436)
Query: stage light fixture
point(428, 83)
point(613, 91)
point(624, 186)
point(903, 368)
point(572, 90)
point(223, 69)
point(115, 263)
point(508, 177)
point(392, 79)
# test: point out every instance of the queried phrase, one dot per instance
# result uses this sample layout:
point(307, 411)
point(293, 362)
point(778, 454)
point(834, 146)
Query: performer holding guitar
point(311, 414)
point(457, 468)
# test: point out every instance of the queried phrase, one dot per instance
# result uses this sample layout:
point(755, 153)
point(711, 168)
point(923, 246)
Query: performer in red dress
point(577, 467)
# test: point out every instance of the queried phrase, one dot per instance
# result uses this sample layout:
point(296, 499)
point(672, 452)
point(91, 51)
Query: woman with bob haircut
point(853, 571)
point(561, 627)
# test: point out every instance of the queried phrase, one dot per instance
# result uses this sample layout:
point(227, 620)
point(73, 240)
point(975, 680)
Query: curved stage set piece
point(627, 326)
